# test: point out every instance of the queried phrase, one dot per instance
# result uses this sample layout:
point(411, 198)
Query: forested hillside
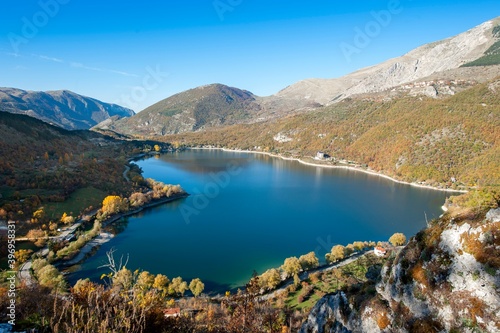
point(46, 164)
point(453, 141)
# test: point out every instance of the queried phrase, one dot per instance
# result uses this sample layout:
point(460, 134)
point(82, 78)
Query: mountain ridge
point(63, 108)
point(200, 108)
point(416, 64)
point(217, 105)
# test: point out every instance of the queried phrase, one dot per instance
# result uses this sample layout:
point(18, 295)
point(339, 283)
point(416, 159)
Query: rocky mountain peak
point(417, 64)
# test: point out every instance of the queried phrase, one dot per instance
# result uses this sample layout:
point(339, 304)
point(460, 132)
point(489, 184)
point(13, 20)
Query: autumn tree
point(358, 246)
point(337, 253)
point(177, 286)
point(38, 215)
point(270, 279)
point(67, 219)
point(398, 239)
point(138, 199)
point(291, 266)
point(145, 281)
point(196, 287)
point(48, 275)
point(22, 255)
point(37, 236)
point(113, 204)
point(309, 261)
point(161, 283)
point(123, 279)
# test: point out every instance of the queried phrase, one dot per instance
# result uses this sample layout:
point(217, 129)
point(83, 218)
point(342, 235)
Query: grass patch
point(332, 281)
point(6, 191)
point(78, 201)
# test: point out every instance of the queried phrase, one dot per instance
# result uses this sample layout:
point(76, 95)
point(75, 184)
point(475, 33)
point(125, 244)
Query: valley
point(217, 210)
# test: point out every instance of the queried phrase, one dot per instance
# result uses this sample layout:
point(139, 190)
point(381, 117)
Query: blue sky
point(137, 53)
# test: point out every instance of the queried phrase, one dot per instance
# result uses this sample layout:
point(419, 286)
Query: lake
point(249, 212)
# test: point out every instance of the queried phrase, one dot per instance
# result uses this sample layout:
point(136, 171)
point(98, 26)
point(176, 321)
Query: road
point(24, 272)
point(127, 169)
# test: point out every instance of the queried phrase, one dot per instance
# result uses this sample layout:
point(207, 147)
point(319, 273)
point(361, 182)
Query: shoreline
point(105, 237)
point(345, 167)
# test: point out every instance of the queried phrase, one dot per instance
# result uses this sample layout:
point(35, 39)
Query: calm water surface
point(249, 212)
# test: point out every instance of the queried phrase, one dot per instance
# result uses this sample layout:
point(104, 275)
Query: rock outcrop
point(446, 279)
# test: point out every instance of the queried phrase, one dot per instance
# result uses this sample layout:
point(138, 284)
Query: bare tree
point(112, 264)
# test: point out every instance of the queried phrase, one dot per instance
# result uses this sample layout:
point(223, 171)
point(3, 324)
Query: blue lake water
point(249, 212)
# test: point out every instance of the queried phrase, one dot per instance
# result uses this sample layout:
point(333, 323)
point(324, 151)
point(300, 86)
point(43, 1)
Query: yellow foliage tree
point(337, 253)
point(113, 204)
point(291, 266)
point(398, 239)
point(67, 219)
point(196, 287)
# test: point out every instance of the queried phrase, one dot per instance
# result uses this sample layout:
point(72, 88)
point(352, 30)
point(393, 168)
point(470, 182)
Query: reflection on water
point(254, 218)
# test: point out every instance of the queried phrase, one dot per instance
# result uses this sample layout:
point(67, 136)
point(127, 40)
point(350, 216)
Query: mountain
point(197, 109)
point(453, 141)
point(446, 279)
point(446, 55)
point(63, 108)
point(438, 69)
point(204, 107)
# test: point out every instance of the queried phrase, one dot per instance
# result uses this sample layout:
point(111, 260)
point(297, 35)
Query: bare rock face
point(446, 279)
point(493, 215)
point(422, 62)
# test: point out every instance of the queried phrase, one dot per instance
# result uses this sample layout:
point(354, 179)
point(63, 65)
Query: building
point(321, 156)
point(172, 313)
point(380, 251)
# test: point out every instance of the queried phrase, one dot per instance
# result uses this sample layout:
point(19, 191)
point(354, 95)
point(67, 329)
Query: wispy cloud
point(105, 70)
point(43, 57)
point(71, 63)
point(12, 54)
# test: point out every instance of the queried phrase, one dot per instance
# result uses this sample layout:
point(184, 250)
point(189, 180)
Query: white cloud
point(49, 58)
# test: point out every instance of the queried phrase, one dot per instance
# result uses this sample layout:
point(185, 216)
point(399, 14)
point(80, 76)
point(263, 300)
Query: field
point(78, 201)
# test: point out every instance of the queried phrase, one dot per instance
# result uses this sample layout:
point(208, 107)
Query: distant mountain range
point(436, 70)
point(63, 108)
